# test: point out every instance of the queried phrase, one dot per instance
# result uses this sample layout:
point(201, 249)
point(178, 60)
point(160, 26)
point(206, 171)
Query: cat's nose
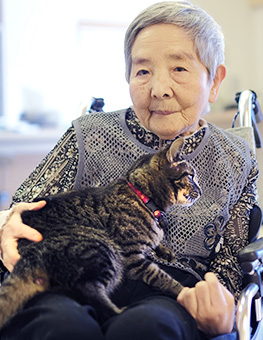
point(197, 193)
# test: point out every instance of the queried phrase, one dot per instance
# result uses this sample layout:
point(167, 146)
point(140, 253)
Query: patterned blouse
point(57, 173)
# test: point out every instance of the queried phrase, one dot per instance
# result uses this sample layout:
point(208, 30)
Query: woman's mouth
point(162, 112)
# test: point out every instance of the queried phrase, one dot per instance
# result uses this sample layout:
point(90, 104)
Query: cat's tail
point(16, 291)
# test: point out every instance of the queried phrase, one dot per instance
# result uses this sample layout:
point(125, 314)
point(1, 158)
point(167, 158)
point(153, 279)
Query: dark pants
point(150, 316)
point(51, 316)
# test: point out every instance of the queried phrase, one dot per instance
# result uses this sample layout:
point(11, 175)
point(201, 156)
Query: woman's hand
point(15, 229)
point(211, 305)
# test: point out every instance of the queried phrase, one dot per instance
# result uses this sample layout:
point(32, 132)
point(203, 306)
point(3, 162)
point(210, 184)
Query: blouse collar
point(151, 140)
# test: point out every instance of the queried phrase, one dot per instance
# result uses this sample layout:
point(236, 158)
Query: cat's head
point(166, 177)
point(182, 174)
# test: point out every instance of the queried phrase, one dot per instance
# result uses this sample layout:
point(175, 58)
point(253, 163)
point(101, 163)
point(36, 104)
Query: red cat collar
point(158, 214)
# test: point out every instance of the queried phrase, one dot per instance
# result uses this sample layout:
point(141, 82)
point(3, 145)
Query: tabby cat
point(93, 237)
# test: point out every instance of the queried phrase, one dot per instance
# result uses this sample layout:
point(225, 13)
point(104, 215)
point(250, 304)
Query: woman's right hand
point(14, 229)
point(210, 304)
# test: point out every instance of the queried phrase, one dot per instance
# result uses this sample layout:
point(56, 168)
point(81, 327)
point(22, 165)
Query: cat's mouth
point(186, 198)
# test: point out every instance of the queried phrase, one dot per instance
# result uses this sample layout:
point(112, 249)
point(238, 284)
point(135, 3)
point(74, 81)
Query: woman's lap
point(154, 318)
point(51, 316)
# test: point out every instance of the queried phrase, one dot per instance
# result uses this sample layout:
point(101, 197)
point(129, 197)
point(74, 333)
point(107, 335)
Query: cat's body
point(95, 237)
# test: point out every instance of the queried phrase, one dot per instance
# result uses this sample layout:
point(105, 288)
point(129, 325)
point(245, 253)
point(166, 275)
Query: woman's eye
point(180, 69)
point(142, 72)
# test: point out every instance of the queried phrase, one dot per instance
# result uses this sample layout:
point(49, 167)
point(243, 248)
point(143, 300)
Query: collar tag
point(158, 214)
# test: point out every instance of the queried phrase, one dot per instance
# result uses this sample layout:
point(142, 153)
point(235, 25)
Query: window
point(100, 66)
point(58, 55)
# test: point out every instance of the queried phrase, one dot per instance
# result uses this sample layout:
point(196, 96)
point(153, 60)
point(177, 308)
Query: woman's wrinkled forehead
point(171, 41)
point(166, 41)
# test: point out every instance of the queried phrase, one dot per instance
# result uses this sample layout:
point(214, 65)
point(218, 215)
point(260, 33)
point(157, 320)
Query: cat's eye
point(184, 174)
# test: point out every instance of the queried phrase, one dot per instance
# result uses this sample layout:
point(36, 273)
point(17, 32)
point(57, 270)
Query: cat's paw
point(164, 254)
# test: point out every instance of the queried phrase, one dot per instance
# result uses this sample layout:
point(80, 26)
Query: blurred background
point(56, 55)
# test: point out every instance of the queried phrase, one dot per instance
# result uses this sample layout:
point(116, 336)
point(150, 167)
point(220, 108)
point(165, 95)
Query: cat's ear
point(174, 150)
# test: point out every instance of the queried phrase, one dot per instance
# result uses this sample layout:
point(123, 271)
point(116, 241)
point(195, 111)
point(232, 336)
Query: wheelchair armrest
point(251, 262)
point(252, 252)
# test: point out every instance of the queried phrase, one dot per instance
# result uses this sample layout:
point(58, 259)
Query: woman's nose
point(161, 86)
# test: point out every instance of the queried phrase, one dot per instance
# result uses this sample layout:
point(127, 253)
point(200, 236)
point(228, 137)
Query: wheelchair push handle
point(249, 113)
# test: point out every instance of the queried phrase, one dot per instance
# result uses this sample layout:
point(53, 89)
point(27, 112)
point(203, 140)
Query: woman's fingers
point(14, 229)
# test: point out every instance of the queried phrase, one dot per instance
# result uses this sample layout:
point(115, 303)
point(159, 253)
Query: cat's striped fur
point(93, 237)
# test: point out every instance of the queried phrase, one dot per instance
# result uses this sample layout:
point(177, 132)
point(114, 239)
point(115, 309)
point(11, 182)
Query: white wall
point(242, 25)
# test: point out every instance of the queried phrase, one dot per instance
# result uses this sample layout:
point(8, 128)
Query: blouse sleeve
point(56, 172)
point(225, 265)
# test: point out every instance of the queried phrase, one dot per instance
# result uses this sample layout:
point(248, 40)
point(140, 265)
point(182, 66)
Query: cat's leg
point(100, 271)
point(16, 290)
point(140, 268)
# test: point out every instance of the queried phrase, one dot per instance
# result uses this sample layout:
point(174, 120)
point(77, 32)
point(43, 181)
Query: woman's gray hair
point(200, 26)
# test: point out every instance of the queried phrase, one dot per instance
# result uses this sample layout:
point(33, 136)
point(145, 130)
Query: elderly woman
point(174, 65)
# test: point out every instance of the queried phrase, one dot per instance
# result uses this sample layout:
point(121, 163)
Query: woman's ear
point(219, 77)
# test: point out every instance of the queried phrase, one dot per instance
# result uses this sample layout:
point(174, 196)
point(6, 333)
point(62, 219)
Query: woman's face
point(169, 86)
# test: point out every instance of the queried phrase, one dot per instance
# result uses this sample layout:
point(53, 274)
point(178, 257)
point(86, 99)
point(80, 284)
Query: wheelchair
point(249, 322)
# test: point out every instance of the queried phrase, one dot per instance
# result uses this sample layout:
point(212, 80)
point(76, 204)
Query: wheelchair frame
point(249, 321)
